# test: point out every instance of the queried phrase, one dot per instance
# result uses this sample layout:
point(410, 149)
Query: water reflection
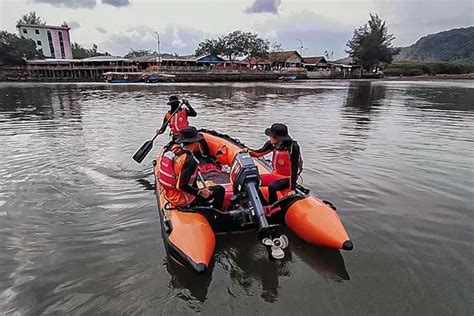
point(456, 99)
point(250, 269)
point(359, 110)
point(329, 263)
point(363, 99)
point(44, 102)
point(249, 266)
point(79, 229)
point(183, 280)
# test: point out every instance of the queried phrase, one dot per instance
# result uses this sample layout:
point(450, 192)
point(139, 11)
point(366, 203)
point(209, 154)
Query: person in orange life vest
point(179, 120)
point(179, 172)
point(286, 161)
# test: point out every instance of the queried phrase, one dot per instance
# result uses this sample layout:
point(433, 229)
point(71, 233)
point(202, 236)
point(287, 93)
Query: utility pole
point(301, 47)
point(159, 47)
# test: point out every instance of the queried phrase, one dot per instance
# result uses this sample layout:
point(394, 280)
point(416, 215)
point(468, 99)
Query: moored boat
point(159, 77)
point(189, 233)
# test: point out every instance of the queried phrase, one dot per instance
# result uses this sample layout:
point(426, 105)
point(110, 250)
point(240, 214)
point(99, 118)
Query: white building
point(54, 41)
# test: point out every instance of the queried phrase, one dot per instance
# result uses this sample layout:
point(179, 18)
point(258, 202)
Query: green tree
point(133, 53)
point(210, 46)
point(80, 52)
point(371, 44)
point(15, 49)
point(30, 18)
point(254, 46)
point(235, 44)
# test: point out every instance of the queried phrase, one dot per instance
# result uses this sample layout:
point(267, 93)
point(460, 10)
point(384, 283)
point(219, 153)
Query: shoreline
point(432, 78)
point(21, 75)
point(394, 79)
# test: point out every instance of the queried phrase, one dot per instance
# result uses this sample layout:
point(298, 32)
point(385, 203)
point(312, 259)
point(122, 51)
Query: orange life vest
point(178, 122)
point(281, 162)
point(171, 165)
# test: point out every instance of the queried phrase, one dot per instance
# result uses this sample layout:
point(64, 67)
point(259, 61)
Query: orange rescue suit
point(171, 165)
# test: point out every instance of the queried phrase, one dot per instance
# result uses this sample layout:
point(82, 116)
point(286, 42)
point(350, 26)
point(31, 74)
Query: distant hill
point(456, 45)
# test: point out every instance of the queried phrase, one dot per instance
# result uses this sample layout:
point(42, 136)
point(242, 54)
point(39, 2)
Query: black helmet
point(173, 100)
point(279, 131)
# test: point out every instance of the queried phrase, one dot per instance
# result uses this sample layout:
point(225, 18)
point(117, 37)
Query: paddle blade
point(143, 151)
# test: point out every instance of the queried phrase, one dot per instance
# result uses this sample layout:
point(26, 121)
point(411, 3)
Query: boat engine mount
point(246, 180)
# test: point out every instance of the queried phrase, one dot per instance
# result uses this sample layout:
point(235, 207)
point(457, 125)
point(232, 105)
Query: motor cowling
point(243, 172)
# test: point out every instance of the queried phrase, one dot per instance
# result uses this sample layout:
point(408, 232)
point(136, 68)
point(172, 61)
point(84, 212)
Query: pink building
point(54, 41)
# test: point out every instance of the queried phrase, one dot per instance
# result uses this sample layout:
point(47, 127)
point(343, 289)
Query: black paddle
point(148, 145)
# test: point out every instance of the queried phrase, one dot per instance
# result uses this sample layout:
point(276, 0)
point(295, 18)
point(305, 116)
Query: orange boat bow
point(317, 223)
point(193, 238)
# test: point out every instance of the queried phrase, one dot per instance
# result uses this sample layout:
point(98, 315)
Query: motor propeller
point(276, 246)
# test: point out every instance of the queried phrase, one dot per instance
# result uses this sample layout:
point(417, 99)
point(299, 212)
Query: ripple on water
point(79, 227)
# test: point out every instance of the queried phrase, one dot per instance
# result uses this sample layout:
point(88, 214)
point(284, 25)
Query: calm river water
point(79, 231)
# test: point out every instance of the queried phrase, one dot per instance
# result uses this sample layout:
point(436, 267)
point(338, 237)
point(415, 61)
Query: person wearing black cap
point(177, 116)
point(286, 161)
point(179, 172)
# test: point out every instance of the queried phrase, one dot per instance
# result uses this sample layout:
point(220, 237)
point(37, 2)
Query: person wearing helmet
point(286, 161)
point(177, 117)
point(179, 172)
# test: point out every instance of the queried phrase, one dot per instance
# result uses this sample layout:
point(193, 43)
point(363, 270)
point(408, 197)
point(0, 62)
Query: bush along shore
point(410, 68)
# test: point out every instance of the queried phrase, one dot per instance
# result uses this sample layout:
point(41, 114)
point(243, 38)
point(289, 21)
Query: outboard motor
point(245, 179)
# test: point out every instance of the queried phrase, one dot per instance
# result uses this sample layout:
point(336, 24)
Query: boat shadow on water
point(182, 278)
point(251, 271)
point(147, 185)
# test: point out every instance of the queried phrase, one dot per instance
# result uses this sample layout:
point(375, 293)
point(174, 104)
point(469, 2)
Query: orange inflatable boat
point(189, 234)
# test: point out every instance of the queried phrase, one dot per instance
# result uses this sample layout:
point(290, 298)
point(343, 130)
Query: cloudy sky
point(118, 25)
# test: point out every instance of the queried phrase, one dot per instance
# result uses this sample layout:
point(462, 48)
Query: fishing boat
point(189, 234)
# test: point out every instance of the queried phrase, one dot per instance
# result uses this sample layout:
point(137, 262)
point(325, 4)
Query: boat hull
point(188, 237)
point(317, 223)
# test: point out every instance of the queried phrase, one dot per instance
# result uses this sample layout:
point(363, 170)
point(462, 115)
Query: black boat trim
point(182, 258)
point(348, 245)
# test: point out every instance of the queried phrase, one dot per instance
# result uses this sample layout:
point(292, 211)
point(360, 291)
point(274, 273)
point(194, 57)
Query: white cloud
point(74, 4)
point(317, 33)
point(82, 4)
point(409, 20)
point(321, 24)
point(174, 39)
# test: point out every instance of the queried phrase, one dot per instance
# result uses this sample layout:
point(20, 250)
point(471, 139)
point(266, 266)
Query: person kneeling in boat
point(286, 161)
point(177, 116)
point(179, 170)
